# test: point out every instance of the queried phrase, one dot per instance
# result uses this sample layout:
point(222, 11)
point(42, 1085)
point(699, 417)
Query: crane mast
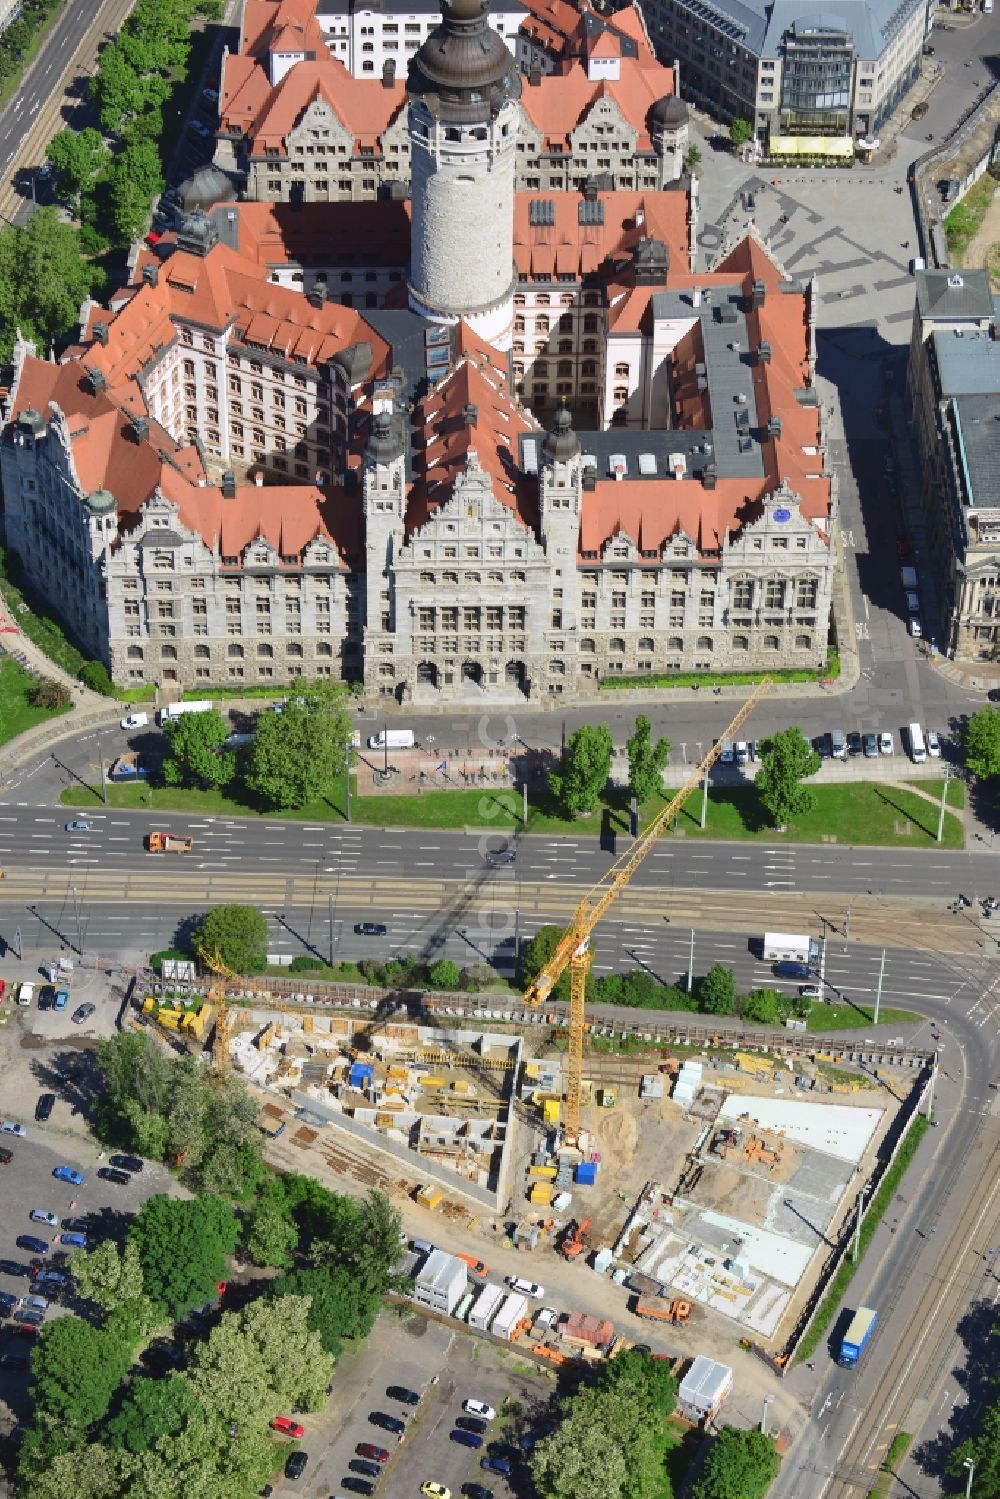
point(573, 951)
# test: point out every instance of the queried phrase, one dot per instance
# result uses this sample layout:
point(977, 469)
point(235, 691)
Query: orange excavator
point(573, 1242)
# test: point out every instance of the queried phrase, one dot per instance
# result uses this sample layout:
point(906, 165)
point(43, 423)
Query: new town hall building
point(541, 451)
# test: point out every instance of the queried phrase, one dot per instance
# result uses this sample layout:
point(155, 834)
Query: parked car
point(933, 741)
point(42, 1215)
point(526, 1287)
point(6, 1156)
point(479, 1408)
point(476, 1491)
point(8, 1127)
point(810, 991)
point(474, 1424)
point(821, 744)
point(885, 743)
point(31, 1319)
point(82, 1013)
point(491, 1464)
point(476, 1267)
point(365, 1467)
point(31, 1244)
point(870, 742)
point(73, 1239)
point(14, 1360)
point(914, 626)
point(135, 721)
point(211, 95)
point(127, 1163)
point(919, 110)
point(401, 1393)
point(68, 1174)
point(13, 1267)
point(358, 1485)
point(465, 1438)
point(375, 1453)
point(387, 1423)
point(43, 1276)
point(61, 999)
point(432, 1490)
point(43, 1108)
point(546, 1317)
point(287, 1426)
point(200, 129)
point(112, 1174)
point(8, 1303)
point(296, 1464)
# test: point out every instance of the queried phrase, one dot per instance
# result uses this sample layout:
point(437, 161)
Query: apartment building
point(953, 390)
point(793, 74)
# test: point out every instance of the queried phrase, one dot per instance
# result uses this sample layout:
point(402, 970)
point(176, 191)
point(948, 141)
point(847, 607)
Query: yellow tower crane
point(220, 1048)
point(574, 949)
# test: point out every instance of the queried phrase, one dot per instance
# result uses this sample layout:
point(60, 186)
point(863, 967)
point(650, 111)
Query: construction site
point(712, 1180)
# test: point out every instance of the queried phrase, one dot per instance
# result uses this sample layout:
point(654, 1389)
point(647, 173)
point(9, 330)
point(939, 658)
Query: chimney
point(774, 427)
point(470, 415)
point(535, 75)
point(101, 333)
point(764, 352)
point(258, 478)
point(589, 479)
point(709, 476)
point(140, 428)
point(151, 274)
point(758, 292)
point(97, 381)
point(229, 485)
point(316, 296)
point(389, 73)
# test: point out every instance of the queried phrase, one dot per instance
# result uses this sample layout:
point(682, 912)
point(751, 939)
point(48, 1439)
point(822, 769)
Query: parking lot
point(444, 1366)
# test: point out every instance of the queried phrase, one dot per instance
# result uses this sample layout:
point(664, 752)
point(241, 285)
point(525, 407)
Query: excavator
point(573, 1242)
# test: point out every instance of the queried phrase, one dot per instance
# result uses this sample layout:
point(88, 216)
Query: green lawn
point(856, 813)
point(723, 678)
point(40, 626)
point(16, 713)
point(824, 1017)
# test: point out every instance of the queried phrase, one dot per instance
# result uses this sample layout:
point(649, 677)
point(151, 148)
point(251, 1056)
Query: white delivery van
point(918, 749)
point(25, 994)
point(177, 710)
point(393, 739)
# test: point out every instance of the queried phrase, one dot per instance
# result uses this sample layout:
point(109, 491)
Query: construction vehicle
point(169, 843)
point(573, 951)
point(607, 1098)
point(573, 1242)
point(659, 1310)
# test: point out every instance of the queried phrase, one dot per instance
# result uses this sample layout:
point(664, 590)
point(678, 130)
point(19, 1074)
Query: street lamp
point(968, 1463)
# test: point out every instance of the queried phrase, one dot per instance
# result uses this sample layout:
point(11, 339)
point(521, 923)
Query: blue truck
point(857, 1337)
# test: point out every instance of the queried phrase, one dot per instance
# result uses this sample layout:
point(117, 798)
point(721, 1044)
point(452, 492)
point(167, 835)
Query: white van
point(918, 749)
point(393, 739)
point(25, 994)
point(177, 710)
point(987, 7)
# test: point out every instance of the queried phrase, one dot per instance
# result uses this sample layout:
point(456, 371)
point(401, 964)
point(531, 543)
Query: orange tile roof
point(446, 441)
point(273, 234)
point(288, 516)
point(561, 101)
point(663, 215)
point(364, 106)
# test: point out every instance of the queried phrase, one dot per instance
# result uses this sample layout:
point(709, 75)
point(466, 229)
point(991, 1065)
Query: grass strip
point(830, 1304)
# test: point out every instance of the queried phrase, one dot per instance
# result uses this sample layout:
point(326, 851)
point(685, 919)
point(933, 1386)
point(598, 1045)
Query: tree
point(338, 1306)
point(95, 675)
point(76, 1370)
point(263, 1358)
point(766, 1006)
point(137, 1083)
point(194, 751)
point(48, 694)
point(445, 974)
point(271, 1238)
point(717, 991)
point(539, 952)
point(740, 131)
point(580, 1460)
point(108, 1275)
point(43, 280)
point(236, 936)
point(646, 761)
point(980, 741)
point(583, 774)
point(77, 158)
point(117, 90)
point(740, 1465)
point(133, 181)
point(298, 752)
point(692, 157)
point(363, 1238)
point(786, 759)
point(152, 1409)
point(183, 1246)
point(88, 1472)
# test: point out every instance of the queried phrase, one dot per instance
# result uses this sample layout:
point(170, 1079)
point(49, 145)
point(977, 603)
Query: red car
point(287, 1426)
point(369, 1449)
